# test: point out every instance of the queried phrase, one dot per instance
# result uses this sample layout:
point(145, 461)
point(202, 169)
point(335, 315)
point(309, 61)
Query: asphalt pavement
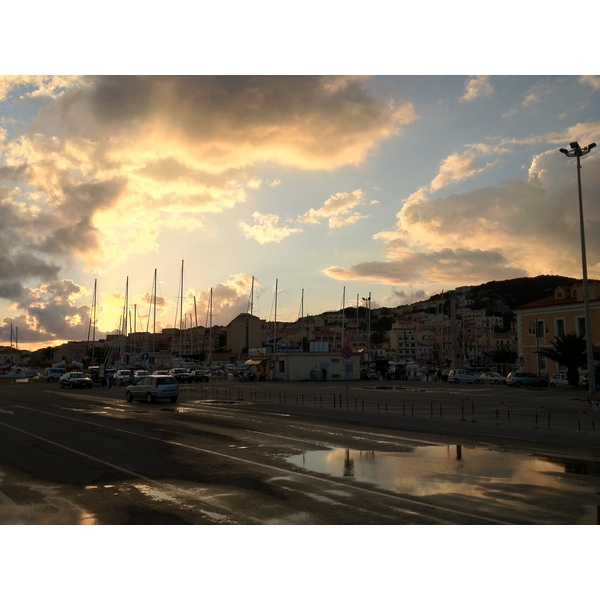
point(557, 418)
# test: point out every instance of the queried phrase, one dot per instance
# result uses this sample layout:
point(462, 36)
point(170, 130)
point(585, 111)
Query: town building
point(245, 332)
point(540, 322)
point(306, 366)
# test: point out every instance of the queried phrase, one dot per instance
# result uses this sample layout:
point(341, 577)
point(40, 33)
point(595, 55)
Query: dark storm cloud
point(447, 265)
point(72, 229)
point(53, 310)
point(14, 270)
point(301, 120)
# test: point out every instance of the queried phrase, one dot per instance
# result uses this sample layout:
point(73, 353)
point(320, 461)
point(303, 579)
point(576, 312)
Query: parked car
point(75, 379)
point(137, 375)
point(463, 376)
point(180, 374)
point(522, 378)
point(493, 377)
point(559, 379)
point(123, 377)
point(198, 376)
point(585, 380)
point(54, 373)
point(154, 387)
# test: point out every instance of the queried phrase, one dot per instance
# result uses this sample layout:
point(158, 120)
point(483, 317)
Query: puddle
point(464, 470)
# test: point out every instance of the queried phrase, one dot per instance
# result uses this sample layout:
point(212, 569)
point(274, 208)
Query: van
point(53, 373)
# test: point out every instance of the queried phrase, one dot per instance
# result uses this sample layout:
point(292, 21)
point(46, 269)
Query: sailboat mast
point(94, 316)
point(275, 320)
point(124, 323)
point(197, 330)
point(248, 329)
point(357, 322)
point(343, 313)
point(210, 308)
point(302, 317)
point(181, 316)
point(154, 321)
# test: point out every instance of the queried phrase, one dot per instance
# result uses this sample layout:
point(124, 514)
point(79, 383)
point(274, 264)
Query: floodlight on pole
point(577, 152)
point(368, 306)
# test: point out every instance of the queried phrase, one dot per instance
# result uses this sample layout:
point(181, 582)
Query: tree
point(568, 350)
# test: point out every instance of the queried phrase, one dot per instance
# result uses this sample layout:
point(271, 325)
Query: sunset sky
point(398, 186)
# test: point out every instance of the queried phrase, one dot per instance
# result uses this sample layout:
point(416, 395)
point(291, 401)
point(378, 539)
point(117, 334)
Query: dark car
point(181, 375)
point(585, 380)
point(75, 380)
point(199, 377)
point(522, 378)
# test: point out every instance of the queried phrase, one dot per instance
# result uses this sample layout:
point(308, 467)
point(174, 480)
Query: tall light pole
point(577, 151)
point(368, 306)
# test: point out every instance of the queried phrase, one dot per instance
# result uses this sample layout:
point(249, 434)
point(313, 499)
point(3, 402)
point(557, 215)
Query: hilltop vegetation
point(501, 298)
point(512, 293)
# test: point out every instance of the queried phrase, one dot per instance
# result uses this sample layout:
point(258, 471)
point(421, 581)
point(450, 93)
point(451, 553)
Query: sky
point(324, 188)
point(437, 167)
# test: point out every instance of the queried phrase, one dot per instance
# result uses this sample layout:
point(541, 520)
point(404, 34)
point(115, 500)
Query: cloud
point(337, 210)
point(455, 167)
point(51, 313)
point(36, 85)
point(109, 163)
point(167, 151)
point(592, 80)
point(477, 87)
point(443, 266)
point(266, 230)
point(516, 228)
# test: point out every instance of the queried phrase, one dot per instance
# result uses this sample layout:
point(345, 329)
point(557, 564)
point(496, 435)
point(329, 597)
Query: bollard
point(462, 409)
point(579, 420)
point(536, 415)
point(507, 410)
point(412, 406)
point(432, 408)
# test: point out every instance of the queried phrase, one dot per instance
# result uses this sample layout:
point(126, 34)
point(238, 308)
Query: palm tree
point(568, 350)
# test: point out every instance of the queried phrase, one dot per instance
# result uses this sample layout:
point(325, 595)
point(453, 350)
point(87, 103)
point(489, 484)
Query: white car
point(463, 376)
point(559, 379)
point(154, 387)
point(123, 377)
point(493, 378)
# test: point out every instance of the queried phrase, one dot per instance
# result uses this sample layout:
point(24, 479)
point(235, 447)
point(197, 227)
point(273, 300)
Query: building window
point(559, 327)
point(540, 329)
point(542, 362)
point(581, 325)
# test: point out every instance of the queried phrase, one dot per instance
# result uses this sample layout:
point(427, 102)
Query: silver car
point(154, 387)
point(463, 376)
point(522, 378)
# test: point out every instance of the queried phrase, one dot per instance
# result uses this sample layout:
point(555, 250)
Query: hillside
point(512, 293)
point(501, 298)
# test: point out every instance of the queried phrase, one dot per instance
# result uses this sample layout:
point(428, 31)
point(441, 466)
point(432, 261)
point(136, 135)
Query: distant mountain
point(512, 293)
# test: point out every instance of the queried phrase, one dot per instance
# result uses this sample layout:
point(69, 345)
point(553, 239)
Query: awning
point(255, 361)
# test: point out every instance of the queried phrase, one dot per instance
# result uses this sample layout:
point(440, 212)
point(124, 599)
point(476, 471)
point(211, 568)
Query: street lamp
point(368, 306)
point(534, 327)
point(577, 151)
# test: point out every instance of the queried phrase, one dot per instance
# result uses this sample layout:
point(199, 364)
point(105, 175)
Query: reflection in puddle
point(463, 470)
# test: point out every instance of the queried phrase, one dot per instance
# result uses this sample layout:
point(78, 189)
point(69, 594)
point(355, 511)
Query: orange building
point(540, 322)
